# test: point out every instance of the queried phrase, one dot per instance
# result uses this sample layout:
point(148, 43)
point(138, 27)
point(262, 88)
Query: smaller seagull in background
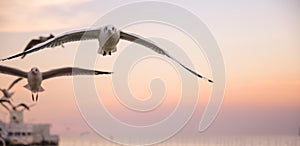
point(34, 42)
point(6, 93)
point(2, 101)
point(35, 77)
point(108, 37)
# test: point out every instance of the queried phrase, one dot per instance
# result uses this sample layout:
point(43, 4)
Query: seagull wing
point(30, 45)
point(13, 83)
point(2, 101)
point(71, 71)
point(149, 44)
point(67, 37)
point(12, 71)
point(23, 105)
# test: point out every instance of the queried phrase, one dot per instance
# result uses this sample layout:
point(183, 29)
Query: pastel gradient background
point(259, 41)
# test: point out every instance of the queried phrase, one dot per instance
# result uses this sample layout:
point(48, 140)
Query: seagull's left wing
point(71, 71)
point(71, 36)
point(13, 83)
point(147, 43)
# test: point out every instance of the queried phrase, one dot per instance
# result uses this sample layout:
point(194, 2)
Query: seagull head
point(34, 70)
point(51, 36)
point(110, 29)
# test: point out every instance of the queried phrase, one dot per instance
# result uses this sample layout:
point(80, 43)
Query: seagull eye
point(113, 29)
point(105, 28)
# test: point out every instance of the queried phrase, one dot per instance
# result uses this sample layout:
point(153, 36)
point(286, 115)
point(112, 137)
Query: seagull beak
point(110, 31)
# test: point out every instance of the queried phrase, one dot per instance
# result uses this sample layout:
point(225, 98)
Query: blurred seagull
point(12, 106)
point(6, 92)
point(35, 77)
point(108, 37)
point(21, 105)
point(34, 42)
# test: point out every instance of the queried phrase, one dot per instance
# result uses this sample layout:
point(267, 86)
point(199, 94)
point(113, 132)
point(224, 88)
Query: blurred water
point(199, 141)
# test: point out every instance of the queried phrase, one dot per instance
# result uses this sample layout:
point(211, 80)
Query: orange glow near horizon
point(260, 52)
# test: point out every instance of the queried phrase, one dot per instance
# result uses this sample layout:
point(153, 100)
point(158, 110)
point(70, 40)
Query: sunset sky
point(259, 41)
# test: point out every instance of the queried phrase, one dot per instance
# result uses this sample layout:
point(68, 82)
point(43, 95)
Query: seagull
point(21, 105)
point(34, 42)
point(6, 92)
point(35, 77)
point(12, 106)
point(108, 37)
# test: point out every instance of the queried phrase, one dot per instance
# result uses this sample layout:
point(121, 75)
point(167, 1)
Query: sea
point(199, 141)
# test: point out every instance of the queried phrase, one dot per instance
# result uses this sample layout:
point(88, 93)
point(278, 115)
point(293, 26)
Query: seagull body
point(6, 92)
point(108, 37)
point(35, 77)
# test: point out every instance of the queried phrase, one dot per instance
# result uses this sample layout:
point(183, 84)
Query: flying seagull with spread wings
point(2, 101)
point(35, 77)
point(108, 37)
point(6, 93)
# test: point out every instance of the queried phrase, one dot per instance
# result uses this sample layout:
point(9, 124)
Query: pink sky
point(259, 42)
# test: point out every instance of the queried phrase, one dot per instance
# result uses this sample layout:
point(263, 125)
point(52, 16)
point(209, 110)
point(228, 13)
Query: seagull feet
point(105, 53)
point(36, 97)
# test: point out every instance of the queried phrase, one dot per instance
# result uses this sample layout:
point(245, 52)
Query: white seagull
point(6, 93)
point(108, 37)
point(35, 77)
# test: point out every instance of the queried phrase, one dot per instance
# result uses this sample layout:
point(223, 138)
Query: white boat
point(16, 132)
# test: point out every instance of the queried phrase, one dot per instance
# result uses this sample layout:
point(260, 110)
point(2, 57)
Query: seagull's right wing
point(22, 105)
point(13, 83)
point(12, 71)
point(71, 36)
point(29, 106)
point(71, 71)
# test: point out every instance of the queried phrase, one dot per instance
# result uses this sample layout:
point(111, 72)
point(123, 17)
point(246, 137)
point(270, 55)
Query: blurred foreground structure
point(16, 132)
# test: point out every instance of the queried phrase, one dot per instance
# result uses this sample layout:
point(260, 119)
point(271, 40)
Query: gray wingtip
point(211, 81)
point(4, 59)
